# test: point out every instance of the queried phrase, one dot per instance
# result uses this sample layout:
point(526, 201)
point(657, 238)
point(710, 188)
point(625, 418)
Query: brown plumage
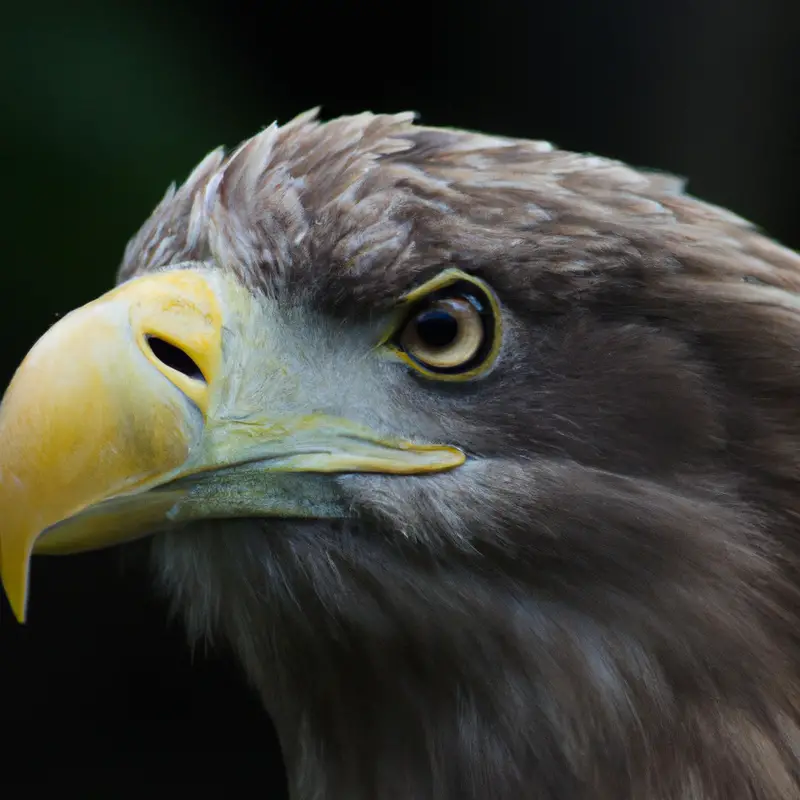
point(602, 603)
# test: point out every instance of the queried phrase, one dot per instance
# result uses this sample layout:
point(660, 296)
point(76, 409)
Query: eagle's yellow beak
point(111, 428)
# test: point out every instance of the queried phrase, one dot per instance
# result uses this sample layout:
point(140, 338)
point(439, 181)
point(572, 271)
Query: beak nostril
point(175, 358)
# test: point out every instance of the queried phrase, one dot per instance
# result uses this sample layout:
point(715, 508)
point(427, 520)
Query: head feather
point(603, 599)
point(253, 210)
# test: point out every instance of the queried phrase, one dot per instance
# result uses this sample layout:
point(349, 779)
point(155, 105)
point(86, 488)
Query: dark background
point(104, 103)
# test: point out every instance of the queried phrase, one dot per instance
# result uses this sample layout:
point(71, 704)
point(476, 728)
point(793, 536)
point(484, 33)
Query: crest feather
point(363, 182)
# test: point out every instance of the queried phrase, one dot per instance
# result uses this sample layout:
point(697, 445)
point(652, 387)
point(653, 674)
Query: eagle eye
point(451, 330)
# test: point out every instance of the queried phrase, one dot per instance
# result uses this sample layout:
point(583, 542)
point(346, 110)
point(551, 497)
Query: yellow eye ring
point(450, 328)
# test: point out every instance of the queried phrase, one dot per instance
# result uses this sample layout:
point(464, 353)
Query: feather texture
point(604, 603)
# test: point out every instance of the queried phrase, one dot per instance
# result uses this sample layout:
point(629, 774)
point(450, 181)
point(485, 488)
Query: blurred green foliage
point(100, 112)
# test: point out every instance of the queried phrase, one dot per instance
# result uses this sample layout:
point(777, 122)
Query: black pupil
point(437, 327)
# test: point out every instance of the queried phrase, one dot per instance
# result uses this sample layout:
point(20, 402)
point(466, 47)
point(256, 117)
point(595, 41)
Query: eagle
point(481, 455)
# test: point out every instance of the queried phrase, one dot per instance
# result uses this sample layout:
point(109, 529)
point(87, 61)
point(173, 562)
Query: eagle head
point(483, 456)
